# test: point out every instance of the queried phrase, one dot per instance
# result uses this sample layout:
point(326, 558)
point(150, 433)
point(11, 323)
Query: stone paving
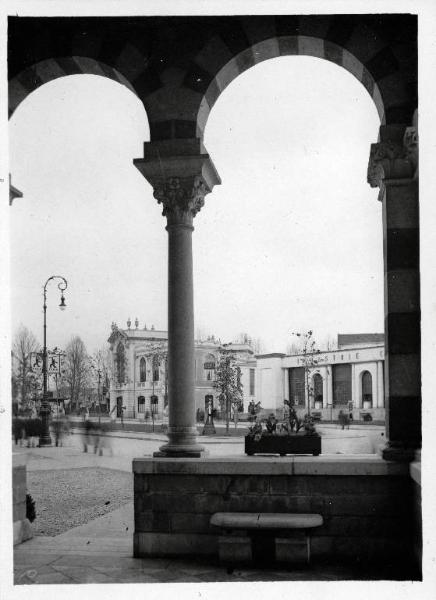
point(101, 552)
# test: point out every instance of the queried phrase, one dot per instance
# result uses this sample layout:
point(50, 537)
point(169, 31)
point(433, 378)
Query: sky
point(290, 241)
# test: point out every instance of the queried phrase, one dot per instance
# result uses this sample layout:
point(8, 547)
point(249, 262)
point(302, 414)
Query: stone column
point(354, 395)
point(358, 388)
point(325, 388)
point(380, 391)
point(286, 384)
point(181, 174)
point(330, 384)
point(393, 168)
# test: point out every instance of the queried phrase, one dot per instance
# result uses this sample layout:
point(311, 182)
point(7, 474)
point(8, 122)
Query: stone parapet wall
point(21, 529)
point(366, 505)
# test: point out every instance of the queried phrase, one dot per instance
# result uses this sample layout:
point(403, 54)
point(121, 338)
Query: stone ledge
point(357, 464)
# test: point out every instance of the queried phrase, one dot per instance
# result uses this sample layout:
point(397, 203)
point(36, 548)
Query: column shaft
point(286, 383)
point(181, 423)
point(380, 385)
point(402, 317)
point(325, 396)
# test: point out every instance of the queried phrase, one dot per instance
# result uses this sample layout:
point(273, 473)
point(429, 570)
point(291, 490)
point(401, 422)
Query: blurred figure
point(105, 441)
point(56, 427)
point(87, 434)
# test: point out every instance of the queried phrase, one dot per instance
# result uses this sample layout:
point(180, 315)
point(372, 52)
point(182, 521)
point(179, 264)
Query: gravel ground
point(68, 498)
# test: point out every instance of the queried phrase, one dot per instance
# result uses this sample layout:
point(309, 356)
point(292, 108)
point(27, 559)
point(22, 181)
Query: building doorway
point(366, 390)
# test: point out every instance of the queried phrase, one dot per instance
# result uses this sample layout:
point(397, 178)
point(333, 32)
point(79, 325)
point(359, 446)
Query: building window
point(141, 404)
point(121, 363)
point(155, 368)
point(252, 382)
point(341, 385)
point(296, 386)
point(154, 404)
point(142, 370)
point(366, 389)
point(209, 367)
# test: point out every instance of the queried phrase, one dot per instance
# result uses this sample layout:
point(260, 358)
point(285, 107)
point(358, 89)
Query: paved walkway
point(101, 552)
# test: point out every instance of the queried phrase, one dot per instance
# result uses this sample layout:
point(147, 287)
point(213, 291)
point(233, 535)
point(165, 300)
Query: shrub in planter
point(295, 436)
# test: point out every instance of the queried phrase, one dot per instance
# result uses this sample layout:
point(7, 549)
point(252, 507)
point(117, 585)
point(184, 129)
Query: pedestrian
point(341, 419)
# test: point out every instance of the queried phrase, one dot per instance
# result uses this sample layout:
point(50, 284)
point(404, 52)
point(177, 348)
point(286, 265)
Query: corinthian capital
point(181, 197)
point(394, 156)
point(181, 174)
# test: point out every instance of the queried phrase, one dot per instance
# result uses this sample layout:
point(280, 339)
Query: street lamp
point(44, 438)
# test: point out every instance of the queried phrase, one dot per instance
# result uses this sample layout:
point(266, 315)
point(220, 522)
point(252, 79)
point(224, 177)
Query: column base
point(398, 452)
point(179, 453)
point(182, 444)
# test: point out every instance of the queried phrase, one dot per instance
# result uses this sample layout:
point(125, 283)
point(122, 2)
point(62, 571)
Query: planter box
point(283, 444)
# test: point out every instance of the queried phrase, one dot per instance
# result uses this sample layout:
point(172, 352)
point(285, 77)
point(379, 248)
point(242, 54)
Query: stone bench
point(284, 537)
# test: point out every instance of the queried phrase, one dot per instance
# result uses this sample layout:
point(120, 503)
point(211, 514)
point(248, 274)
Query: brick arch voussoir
point(44, 71)
point(366, 72)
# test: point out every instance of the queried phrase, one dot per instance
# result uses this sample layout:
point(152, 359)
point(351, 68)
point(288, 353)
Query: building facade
point(139, 384)
point(350, 379)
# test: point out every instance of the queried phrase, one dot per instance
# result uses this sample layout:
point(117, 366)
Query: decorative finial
point(152, 327)
point(145, 326)
point(136, 323)
point(129, 322)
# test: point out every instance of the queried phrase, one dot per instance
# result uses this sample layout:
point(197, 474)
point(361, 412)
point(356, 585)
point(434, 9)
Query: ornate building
point(140, 383)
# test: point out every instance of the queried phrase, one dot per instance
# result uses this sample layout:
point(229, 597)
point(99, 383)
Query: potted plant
point(293, 436)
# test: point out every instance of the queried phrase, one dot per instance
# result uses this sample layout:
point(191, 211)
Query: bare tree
point(256, 344)
point(310, 359)
point(24, 381)
point(77, 369)
point(101, 365)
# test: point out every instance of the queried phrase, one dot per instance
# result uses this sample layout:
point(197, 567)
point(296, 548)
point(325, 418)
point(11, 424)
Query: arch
point(367, 391)
point(142, 370)
point(179, 82)
point(33, 77)
point(287, 46)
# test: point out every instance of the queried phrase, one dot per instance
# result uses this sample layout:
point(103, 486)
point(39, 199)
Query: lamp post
point(44, 438)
